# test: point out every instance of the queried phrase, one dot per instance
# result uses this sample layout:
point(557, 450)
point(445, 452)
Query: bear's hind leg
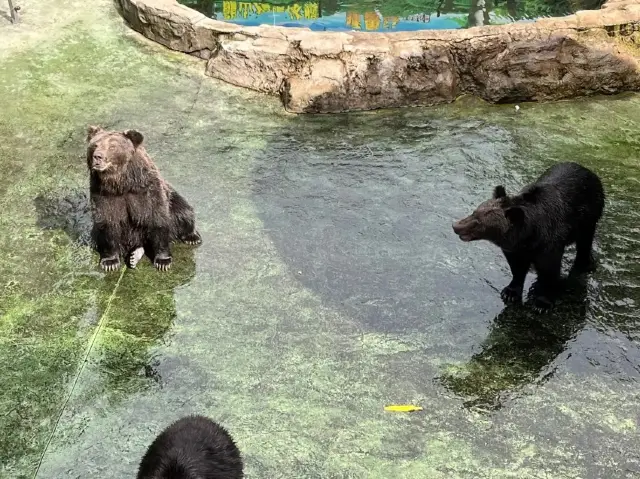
point(548, 266)
point(134, 257)
point(519, 265)
point(584, 262)
point(184, 220)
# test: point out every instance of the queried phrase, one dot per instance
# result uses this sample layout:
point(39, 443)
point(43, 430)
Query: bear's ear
point(515, 214)
point(93, 131)
point(499, 192)
point(531, 195)
point(135, 137)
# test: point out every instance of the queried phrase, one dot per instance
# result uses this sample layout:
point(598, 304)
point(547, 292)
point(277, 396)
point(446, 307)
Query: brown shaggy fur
point(132, 206)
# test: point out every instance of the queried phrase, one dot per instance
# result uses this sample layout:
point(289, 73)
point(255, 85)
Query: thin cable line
point(82, 366)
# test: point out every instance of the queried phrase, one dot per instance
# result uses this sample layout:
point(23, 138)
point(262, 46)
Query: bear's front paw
point(162, 263)
point(541, 304)
point(511, 295)
point(583, 266)
point(192, 238)
point(110, 264)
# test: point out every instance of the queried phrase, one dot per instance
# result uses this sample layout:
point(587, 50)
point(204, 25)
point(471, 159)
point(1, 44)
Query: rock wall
point(320, 72)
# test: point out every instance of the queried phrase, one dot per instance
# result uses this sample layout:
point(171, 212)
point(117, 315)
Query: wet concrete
point(329, 283)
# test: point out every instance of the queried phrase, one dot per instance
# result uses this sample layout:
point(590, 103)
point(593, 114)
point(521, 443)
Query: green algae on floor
point(52, 296)
point(328, 284)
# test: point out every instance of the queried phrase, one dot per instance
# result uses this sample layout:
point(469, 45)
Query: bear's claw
point(541, 304)
point(110, 264)
point(162, 264)
point(511, 295)
point(192, 238)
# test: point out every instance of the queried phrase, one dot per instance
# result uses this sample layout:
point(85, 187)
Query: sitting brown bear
point(134, 209)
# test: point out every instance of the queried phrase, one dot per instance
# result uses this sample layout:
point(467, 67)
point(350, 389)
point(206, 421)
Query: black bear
point(134, 209)
point(533, 227)
point(193, 447)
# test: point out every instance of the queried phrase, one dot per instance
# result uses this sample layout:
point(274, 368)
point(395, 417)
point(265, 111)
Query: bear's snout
point(98, 161)
point(463, 229)
point(458, 227)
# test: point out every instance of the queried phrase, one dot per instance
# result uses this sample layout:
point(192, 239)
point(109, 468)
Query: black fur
point(533, 227)
point(132, 205)
point(193, 447)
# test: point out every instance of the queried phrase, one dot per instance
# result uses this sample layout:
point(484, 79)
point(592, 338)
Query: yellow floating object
point(403, 408)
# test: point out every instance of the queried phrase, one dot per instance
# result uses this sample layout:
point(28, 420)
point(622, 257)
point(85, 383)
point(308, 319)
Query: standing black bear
point(533, 227)
point(193, 447)
point(134, 209)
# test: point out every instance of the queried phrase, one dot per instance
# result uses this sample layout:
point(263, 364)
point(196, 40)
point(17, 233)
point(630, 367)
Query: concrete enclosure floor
point(329, 283)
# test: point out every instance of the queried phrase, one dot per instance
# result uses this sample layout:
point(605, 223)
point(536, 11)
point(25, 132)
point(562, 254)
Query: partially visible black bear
point(533, 227)
point(193, 447)
point(134, 209)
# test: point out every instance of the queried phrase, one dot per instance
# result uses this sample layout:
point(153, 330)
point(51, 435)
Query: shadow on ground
point(364, 220)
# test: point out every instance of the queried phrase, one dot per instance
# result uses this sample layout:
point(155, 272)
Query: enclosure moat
point(386, 16)
point(329, 283)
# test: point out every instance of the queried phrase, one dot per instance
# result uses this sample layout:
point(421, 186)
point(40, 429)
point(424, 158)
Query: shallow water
point(329, 283)
point(386, 16)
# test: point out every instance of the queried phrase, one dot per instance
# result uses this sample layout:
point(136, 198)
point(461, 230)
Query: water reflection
point(395, 15)
point(141, 315)
point(520, 349)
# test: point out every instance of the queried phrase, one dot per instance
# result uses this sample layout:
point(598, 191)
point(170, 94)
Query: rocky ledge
point(595, 51)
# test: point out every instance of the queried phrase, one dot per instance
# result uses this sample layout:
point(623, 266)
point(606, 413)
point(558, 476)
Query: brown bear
point(190, 448)
point(533, 227)
point(134, 210)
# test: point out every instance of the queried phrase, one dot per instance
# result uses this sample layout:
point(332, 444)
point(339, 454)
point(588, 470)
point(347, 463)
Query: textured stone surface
point(590, 52)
